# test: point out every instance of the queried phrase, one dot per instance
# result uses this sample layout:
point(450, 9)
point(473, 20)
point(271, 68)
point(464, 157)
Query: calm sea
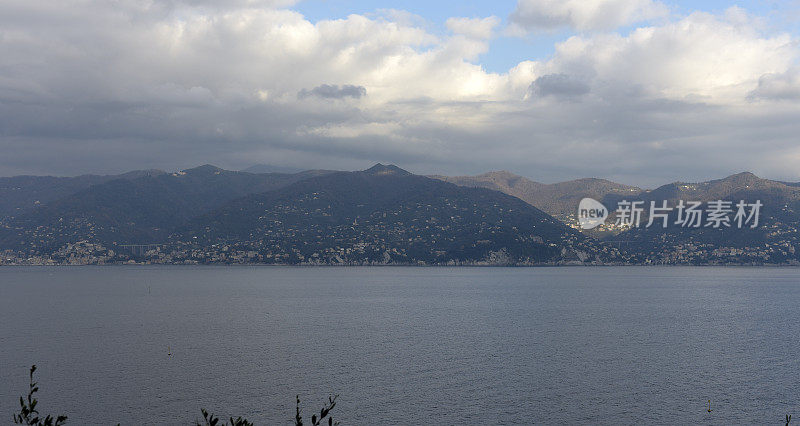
point(628, 345)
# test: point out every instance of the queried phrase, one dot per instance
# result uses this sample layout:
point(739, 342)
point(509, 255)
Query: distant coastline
point(412, 265)
point(380, 216)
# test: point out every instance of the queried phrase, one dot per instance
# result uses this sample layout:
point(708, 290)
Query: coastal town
point(89, 253)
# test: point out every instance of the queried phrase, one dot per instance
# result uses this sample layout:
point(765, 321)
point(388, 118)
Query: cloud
point(90, 86)
point(559, 85)
point(584, 15)
point(327, 91)
point(478, 28)
point(778, 86)
point(702, 57)
point(231, 4)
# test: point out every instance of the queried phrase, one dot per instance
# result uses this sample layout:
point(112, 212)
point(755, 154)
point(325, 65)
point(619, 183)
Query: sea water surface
point(615, 345)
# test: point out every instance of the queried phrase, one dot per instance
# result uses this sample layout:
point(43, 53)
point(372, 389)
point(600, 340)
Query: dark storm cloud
point(333, 91)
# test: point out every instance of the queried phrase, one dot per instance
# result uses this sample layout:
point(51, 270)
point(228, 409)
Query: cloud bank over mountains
point(89, 85)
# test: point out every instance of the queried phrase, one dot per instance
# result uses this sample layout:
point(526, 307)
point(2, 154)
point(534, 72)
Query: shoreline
point(432, 266)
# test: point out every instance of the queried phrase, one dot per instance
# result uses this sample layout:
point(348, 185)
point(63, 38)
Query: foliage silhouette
point(211, 420)
point(323, 413)
point(28, 415)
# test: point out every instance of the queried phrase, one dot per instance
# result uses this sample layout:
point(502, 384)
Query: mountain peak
point(388, 169)
point(742, 176)
point(744, 179)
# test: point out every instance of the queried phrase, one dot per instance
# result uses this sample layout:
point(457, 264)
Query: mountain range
point(382, 215)
point(21, 193)
point(558, 199)
point(134, 208)
point(386, 214)
point(775, 240)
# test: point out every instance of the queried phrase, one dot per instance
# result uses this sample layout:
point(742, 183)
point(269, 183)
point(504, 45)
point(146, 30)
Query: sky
point(642, 92)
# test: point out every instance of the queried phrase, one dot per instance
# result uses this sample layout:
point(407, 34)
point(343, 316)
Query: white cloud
point(701, 57)
point(584, 15)
point(478, 28)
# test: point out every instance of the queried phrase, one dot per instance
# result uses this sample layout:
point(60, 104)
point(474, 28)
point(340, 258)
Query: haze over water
point(616, 345)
